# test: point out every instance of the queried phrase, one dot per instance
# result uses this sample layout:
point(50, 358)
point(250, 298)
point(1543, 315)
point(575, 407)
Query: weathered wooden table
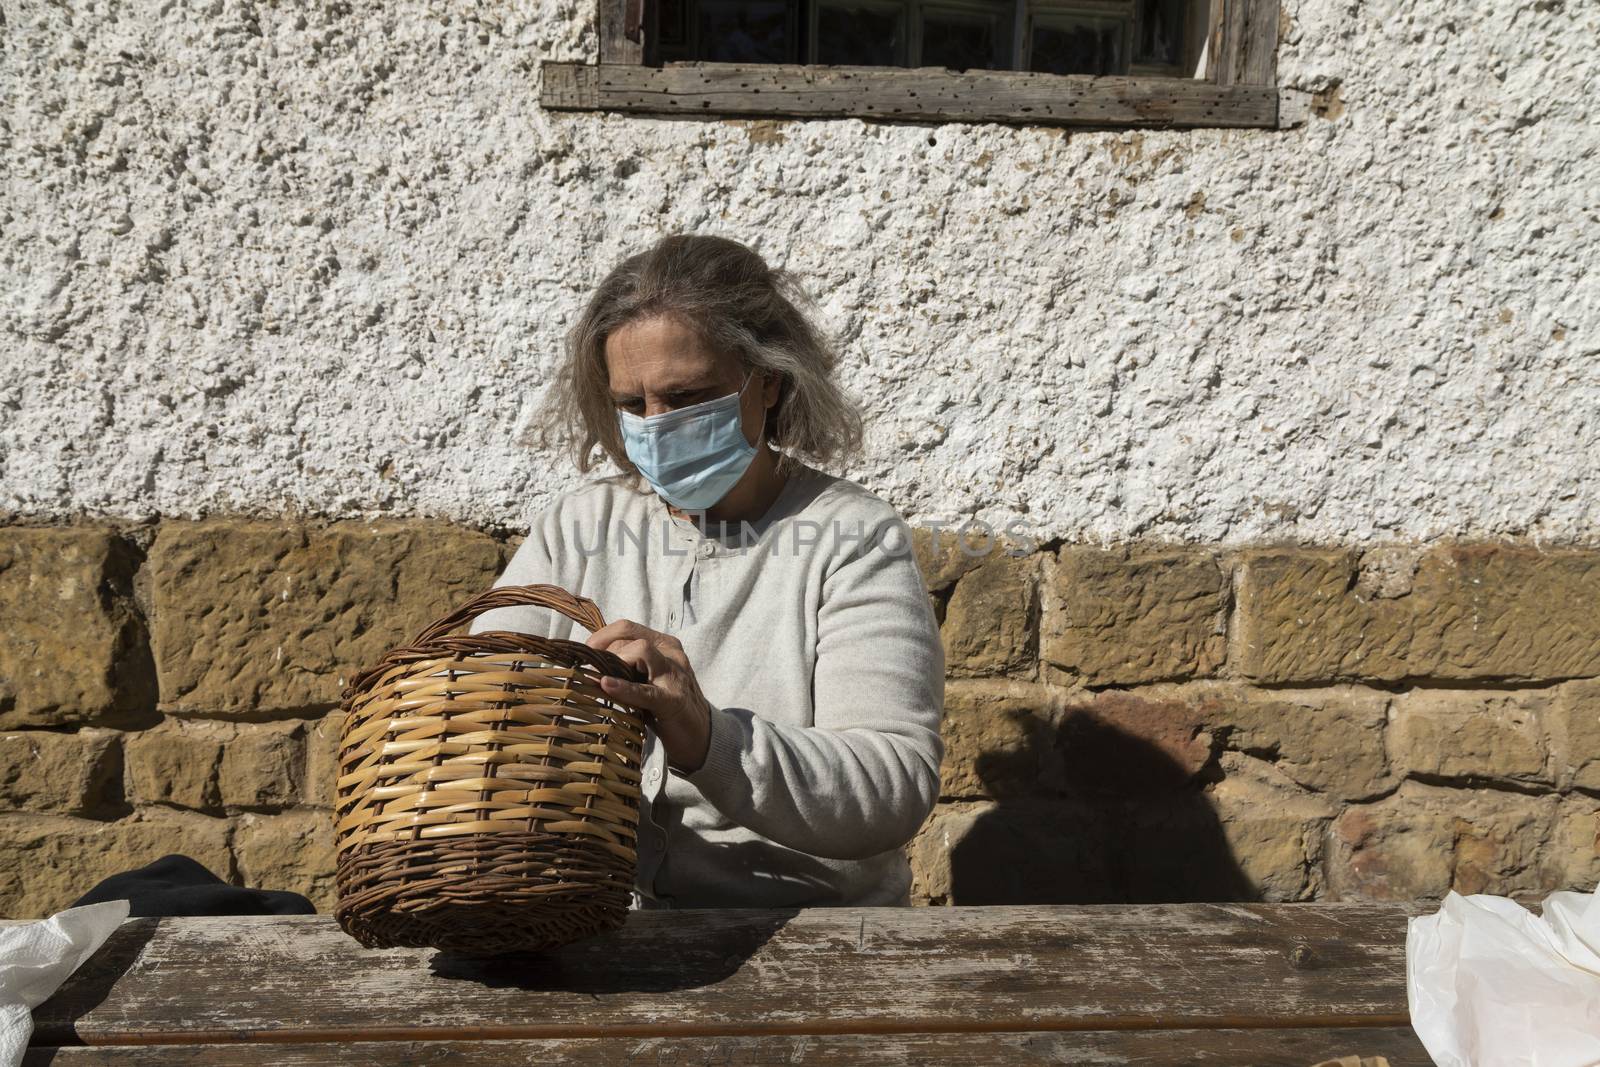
point(1246, 985)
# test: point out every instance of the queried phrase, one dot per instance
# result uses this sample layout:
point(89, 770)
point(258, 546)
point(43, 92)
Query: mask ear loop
point(761, 433)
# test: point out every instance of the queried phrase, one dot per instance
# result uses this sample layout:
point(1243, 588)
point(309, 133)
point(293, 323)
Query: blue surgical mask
point(694, 455)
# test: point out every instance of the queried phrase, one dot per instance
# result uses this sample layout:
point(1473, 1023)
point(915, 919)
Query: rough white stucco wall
point(267, 260)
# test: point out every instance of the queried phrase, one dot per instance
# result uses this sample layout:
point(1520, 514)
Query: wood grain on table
point(1256, 984)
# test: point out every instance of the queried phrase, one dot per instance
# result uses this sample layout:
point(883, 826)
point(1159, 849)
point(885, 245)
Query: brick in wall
point(991, 621)
point(291, 850)
point(1273, 827)
point(1475, 735)
point(1135, 615)
point(1328, 740)
point(211, 765)
point(74, 773)
point(1000, 739)
point(73, 649)
point(1453, 613)
point(1575, 734)
point(1425, 840)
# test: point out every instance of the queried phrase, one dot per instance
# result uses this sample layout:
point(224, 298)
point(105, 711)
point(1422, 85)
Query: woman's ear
point(771, 384)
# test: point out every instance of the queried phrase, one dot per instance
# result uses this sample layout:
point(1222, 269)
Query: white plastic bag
point(1490, 984)
point(36, 957)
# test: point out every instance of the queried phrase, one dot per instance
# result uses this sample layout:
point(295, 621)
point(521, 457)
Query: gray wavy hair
point(738, 305)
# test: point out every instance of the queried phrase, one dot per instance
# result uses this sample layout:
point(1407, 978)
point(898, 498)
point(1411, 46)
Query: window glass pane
point(961, 40)
point(745, 31)
point(672, 27)
point(860, 35)
point(1074, 44)
point(1160, 36)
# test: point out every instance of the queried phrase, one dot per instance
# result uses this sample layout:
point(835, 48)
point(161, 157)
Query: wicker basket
point(488, 790)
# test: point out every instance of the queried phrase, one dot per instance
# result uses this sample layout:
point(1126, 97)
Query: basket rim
point(564, 652)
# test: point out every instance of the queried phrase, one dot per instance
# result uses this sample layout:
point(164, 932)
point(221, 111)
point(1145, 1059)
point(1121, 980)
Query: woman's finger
point(634, 652)
point(644, 657)
point(673, 653)
point(655, 664)
point(636, 694)
point(619, 630)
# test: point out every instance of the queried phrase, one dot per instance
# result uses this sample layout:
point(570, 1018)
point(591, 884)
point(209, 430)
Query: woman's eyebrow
point(671, 390)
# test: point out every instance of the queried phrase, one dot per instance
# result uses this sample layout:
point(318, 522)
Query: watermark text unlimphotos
point(803, 537)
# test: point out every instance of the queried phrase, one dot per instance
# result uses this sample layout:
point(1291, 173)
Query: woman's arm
point(861, 779)
point(865, 776)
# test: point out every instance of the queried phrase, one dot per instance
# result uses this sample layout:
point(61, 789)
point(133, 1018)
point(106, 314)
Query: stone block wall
point(168, 688)
point(1162, 723)
point(1133, 723)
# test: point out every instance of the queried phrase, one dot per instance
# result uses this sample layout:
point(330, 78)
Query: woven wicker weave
point(488, 790)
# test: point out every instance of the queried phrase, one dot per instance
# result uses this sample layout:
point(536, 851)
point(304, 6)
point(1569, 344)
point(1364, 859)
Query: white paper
point(36, 957)
point(1490, 984)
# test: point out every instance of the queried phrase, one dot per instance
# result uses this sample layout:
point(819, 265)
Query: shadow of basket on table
point(1080, 810)
point(655, 953)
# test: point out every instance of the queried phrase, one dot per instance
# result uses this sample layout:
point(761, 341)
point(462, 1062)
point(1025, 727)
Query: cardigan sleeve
point(865, 776)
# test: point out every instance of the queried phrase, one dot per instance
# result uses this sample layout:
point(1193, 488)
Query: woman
point(795, 675)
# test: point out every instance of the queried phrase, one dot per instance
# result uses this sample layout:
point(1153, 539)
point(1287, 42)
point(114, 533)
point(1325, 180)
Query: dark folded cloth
point(178, 885)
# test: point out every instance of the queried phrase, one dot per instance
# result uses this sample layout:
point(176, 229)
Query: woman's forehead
point(661, 354)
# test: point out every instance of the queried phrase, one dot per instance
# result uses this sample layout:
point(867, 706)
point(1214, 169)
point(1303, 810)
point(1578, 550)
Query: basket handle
point(579, 609)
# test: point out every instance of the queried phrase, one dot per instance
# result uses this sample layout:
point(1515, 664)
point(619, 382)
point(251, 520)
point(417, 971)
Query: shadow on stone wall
point(1136, 827)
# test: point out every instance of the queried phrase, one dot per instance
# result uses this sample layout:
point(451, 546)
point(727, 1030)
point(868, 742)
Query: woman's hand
point(672, 695)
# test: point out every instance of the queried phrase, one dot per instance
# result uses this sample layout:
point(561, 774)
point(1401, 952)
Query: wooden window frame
point(1239, 89)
